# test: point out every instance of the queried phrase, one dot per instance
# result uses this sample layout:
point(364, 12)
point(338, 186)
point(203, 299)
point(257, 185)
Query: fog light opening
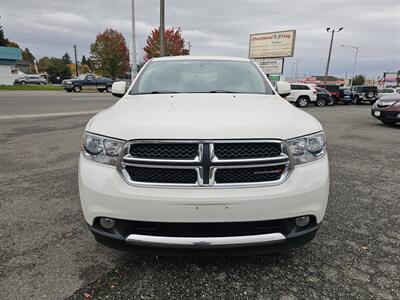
point(302, 221)
point(107, 223)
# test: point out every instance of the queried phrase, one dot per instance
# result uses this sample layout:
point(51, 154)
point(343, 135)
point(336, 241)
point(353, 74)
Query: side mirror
point(119, 89)
point(283, 88)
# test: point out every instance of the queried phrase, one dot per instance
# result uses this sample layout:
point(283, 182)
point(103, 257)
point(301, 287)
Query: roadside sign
point(274, 77)
point(271, 66)
point(272, 44)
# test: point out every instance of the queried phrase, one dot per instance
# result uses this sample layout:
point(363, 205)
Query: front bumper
point(104, 193)
point(386, 115)
point(273, 242)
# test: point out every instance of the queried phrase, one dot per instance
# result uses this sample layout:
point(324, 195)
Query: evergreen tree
point(66, 59)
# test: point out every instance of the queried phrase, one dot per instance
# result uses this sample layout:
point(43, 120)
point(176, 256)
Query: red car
point(387, 109)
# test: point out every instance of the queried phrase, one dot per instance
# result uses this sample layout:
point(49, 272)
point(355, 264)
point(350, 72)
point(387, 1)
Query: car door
point(293, 93)
point(90, 82)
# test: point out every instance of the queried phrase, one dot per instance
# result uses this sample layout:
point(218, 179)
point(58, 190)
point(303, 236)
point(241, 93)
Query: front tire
point(77, 88)
point(356, 100)
point(23, 83)
point(320, 102)
point(109, 88)
point(331, 102)
point(302, 102)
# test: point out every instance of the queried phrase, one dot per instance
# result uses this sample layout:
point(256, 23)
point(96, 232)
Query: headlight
point(68, 82)
point(307, 148)
point(101, 149)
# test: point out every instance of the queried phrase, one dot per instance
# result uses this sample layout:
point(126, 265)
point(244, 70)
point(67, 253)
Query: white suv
point(202, 154)
point(302, 94)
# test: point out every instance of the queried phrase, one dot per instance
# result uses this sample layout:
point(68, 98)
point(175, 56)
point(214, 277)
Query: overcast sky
point(219, 27)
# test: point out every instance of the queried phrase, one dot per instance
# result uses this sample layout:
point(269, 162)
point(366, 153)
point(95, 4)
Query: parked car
point(398, 90)
point(87, 81)
point(30, 79)
point(362, 93)
point(208, 158)
point(323, 97)
point(386, 91)
point(334, 89)
point(387, 109)
point(302, 94)
point(344, 96)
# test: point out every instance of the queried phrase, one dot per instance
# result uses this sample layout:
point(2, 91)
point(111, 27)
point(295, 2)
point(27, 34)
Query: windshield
point(201, 76)
point(82, 77)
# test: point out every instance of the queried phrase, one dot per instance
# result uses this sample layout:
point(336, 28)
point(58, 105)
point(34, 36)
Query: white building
point(8, 59)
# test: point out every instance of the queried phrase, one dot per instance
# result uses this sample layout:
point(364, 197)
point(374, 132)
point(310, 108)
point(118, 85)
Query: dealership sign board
point(272, 44)
point(271, 66)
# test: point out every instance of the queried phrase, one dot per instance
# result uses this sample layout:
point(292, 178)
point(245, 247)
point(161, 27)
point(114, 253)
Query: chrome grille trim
point(126, 159)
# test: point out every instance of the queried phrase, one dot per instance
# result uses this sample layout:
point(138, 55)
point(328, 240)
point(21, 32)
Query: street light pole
point(330, 52)
point(162, 27)
point(133, 52)
point(355, 62)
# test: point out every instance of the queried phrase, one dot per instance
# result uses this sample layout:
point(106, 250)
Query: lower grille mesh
point(162, 175)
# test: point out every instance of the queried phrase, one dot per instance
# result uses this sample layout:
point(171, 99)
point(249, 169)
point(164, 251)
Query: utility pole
point(330, 52)
point(133, 50)
point(76, 62)
point(162, 27)
point(355, 62)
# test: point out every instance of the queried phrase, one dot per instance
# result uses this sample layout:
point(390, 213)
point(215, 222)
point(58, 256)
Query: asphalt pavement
point(48, 252)
point(20, 103)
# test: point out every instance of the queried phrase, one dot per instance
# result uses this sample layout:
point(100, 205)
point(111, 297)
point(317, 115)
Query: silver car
point(30, 79)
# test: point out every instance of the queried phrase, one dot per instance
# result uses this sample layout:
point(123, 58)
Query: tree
point(58, 70)
point(66, 58)
point(83, 60)
point(28, 56)
point(3, 40)
point(83, 69)
point(109, 54)
point(55, 68)
point(358, 80)
point(174, 43)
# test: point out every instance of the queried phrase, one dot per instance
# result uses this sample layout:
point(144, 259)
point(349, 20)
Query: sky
point(220, 27)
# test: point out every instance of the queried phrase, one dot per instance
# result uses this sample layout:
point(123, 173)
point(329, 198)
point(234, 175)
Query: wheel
point(77, 88)
point(109, 88)
point(302, 102)
point(23, 83)
point(356, 100)
point(100, 90)
point(331, 102)
point(320, 102)
point(370, 95)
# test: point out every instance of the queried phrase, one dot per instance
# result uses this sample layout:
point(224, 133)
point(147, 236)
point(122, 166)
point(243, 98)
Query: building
point(317, 80)
point(8, 61)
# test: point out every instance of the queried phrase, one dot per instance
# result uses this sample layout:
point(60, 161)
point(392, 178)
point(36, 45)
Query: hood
point(203, 116)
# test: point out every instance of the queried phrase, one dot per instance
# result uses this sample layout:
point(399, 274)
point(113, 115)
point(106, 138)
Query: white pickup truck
point(202, 155)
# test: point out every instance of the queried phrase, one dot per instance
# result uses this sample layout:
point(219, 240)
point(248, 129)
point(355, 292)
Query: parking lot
point(47, 250)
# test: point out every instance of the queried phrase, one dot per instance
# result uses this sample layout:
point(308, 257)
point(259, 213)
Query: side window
point(294, 86)
point(305, 87)
point(90, 77)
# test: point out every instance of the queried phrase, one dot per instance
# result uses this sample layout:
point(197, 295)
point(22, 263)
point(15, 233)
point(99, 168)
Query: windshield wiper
point(221, 91)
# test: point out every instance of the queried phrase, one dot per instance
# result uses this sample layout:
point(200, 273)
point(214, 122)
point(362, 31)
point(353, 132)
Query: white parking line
point(62, 114)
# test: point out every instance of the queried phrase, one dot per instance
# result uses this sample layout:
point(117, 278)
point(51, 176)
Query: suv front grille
point(162, 175)
point(205, 163)
point(164, 151)
point(247, 150)
point(254, 174)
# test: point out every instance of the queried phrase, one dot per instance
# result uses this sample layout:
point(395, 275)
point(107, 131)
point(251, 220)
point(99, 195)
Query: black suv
point(362, 93)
